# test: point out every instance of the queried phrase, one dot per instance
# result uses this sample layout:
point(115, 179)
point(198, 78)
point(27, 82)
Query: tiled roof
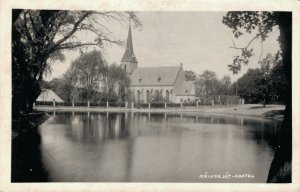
point(154, 76)
point(129, 54)
point(185, 88)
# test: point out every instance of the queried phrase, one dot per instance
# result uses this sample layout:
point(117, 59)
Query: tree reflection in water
point(155, 147)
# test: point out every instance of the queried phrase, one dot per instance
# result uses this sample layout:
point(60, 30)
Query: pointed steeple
point(129, 54)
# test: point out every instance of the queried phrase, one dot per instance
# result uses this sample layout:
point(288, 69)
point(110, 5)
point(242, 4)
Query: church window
point(148, 96)
point(138, 96)
point(167, 95)
point(159, 78)
point(157, 95)
point(140, 79)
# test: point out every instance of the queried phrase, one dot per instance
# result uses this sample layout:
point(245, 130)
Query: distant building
point(48, 95)
point(150, 84)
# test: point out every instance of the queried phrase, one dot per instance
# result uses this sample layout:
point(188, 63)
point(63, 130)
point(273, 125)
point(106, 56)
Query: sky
point(199, 40)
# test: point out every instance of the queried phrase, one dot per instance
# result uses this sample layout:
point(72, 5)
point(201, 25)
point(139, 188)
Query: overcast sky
point(199, 40)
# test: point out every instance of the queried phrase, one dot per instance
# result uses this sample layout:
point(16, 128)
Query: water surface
point(150, 147)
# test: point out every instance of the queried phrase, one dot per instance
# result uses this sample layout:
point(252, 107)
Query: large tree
point(207, 83)
point(88, 69)
point(39, 36)
point(117, 82)
point(225, 85)
point(250, 86)
point(261, 24)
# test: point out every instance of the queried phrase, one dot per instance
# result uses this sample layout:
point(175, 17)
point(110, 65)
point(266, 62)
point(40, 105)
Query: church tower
point(129, 61)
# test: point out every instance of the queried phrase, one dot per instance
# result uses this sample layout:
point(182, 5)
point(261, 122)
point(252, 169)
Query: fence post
point(197, 104)
point(33, 104)
point(72, 103)
point(243, 101)
point(126, 104)
point(212, 103)
point(88, 103)
point(132, 105)
point(165, 105)
point(53, 102)
point(107, 104)
point(149, 105)
point(181, 105)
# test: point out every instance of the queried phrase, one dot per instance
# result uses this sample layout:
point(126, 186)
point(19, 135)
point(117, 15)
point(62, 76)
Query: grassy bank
point(256, 110)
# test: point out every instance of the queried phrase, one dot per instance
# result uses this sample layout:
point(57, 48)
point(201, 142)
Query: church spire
point(129, 54)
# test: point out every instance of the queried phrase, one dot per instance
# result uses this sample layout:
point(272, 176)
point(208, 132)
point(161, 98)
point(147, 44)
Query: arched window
point(148, 96)
point(167, 95)
point(138, 96)
point(157, 95)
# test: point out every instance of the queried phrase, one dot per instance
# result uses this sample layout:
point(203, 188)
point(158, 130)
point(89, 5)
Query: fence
point(221, 100)
point(211, 101)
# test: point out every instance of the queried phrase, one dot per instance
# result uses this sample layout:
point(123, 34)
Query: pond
point(156, 147)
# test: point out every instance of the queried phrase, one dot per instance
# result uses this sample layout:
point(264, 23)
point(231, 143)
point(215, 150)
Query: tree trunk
point(280, 170)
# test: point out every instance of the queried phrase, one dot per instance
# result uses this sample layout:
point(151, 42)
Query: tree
point(39, 36)
point(225, 85)
point(262, 23)
point(250, 86)
point(262, 84)
point(266, 66)
point(69, 85)
point(86, 71)
point(190, 75)
point(278, 83)
point(207, 83)
point(117, 82)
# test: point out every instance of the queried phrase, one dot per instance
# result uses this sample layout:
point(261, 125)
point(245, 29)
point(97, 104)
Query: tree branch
point(249, 43)
point(84, 16)
point(73, 46)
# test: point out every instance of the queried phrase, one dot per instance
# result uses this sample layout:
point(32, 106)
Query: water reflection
point(154, 147)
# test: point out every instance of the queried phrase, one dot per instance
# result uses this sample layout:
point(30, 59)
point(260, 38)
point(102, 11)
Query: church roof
point(185, 88)
point(129, 54)
point(154, 76)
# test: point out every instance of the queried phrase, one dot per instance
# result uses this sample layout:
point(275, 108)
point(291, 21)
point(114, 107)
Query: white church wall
point(162, 90)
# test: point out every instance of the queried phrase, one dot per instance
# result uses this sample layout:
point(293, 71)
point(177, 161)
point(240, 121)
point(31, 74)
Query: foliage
point(263, 23)
point(260, 23)
point(117, 82)
point(250, 86)
point(190, 75)
point(207, 84)
point(87, 70)
point(266, 84)
point(226, 85)
point(40, 36)
point(89, 78)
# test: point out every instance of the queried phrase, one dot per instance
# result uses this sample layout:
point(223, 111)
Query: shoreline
point(251, 110)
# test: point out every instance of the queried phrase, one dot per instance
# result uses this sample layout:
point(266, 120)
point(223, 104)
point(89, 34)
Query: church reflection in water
point(154, 147)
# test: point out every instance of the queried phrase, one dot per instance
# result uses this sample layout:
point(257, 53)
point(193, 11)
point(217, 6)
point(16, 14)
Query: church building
point(156, 84)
